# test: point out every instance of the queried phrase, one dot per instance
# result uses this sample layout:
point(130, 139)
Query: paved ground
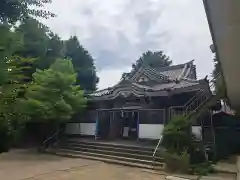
point(29, 165)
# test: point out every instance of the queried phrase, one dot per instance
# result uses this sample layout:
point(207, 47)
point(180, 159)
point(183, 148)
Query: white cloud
point(116, 32)
point(110, 77)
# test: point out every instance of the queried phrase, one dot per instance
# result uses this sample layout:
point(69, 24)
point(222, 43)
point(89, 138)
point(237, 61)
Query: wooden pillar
point(97, 126)
point(167, 110)
point(167, 115)
point(110, 126)
point(112, 131)
point(138, 124)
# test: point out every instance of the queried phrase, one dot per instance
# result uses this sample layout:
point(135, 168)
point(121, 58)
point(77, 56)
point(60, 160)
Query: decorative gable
point(147, 74)
point(143, 79)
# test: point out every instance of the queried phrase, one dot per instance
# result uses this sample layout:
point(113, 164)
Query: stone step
point(112, 151)
point(108, 144)
point(109, 148)
point(127, 159)
point(110, 159)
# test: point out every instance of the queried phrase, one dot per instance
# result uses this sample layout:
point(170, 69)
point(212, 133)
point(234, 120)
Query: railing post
point(57, 138)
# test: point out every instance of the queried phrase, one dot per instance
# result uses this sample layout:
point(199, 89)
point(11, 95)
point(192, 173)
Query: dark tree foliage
point(45, 46)
point(152, 59)
point(83, 64)
point(34, 37)
point(14, 10)
point(39, 43)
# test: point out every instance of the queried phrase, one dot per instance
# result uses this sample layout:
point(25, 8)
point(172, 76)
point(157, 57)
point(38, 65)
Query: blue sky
point(116, 32)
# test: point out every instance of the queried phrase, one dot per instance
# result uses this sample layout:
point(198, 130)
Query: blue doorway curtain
point(97, 127)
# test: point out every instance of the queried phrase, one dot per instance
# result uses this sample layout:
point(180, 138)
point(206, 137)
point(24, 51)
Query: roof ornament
point(177, 81)
point(206, 78)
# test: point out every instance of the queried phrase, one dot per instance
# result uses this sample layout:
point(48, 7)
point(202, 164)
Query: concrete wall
point(81, 128)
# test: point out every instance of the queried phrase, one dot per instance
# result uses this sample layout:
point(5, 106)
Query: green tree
point(34, 36)
point(39, 43)
point(15, 71)
point(9, 44)
point(12, 90)
point(53, 95)
point(55, 49)
point(83, 64)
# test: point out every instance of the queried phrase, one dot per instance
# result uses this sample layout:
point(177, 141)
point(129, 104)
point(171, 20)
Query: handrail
point(211, 84)
point(195, 96)
point(52, 136)
point(187, 106)
point(155, 150)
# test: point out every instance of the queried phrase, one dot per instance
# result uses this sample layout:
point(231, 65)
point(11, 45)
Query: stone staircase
point(109, 152)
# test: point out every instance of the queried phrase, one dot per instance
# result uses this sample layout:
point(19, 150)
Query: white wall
point(81, 128)
point(197, 131)
point(150, 131)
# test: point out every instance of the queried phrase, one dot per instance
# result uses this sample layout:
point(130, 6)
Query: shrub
point(181, 151)
point(177, 135)
point(177, 163)
point(202, 168)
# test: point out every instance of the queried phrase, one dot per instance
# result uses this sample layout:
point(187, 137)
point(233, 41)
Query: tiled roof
point(177, 71)
point(149, 72)
point(184, 83)
point(100, 93)
point(166, 76)
point(173, 74)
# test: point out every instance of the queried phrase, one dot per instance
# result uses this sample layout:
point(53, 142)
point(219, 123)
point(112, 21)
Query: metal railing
point(156, 149)
point(55, 135)
point(196, 101)
point(203, 99)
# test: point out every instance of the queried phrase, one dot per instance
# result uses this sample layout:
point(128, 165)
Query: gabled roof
point(168, 73)
point(178, 71)
point(160, 79)
point(151, 73)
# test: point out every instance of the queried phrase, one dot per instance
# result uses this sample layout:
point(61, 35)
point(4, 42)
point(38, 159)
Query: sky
point(117, 32)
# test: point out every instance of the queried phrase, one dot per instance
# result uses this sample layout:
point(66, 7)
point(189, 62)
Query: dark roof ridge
point(192, 80)
point(173, 66)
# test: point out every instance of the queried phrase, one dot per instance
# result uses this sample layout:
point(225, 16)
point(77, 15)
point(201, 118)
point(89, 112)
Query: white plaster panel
point(88, 128)
point(81, 128)
point(150, 131)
